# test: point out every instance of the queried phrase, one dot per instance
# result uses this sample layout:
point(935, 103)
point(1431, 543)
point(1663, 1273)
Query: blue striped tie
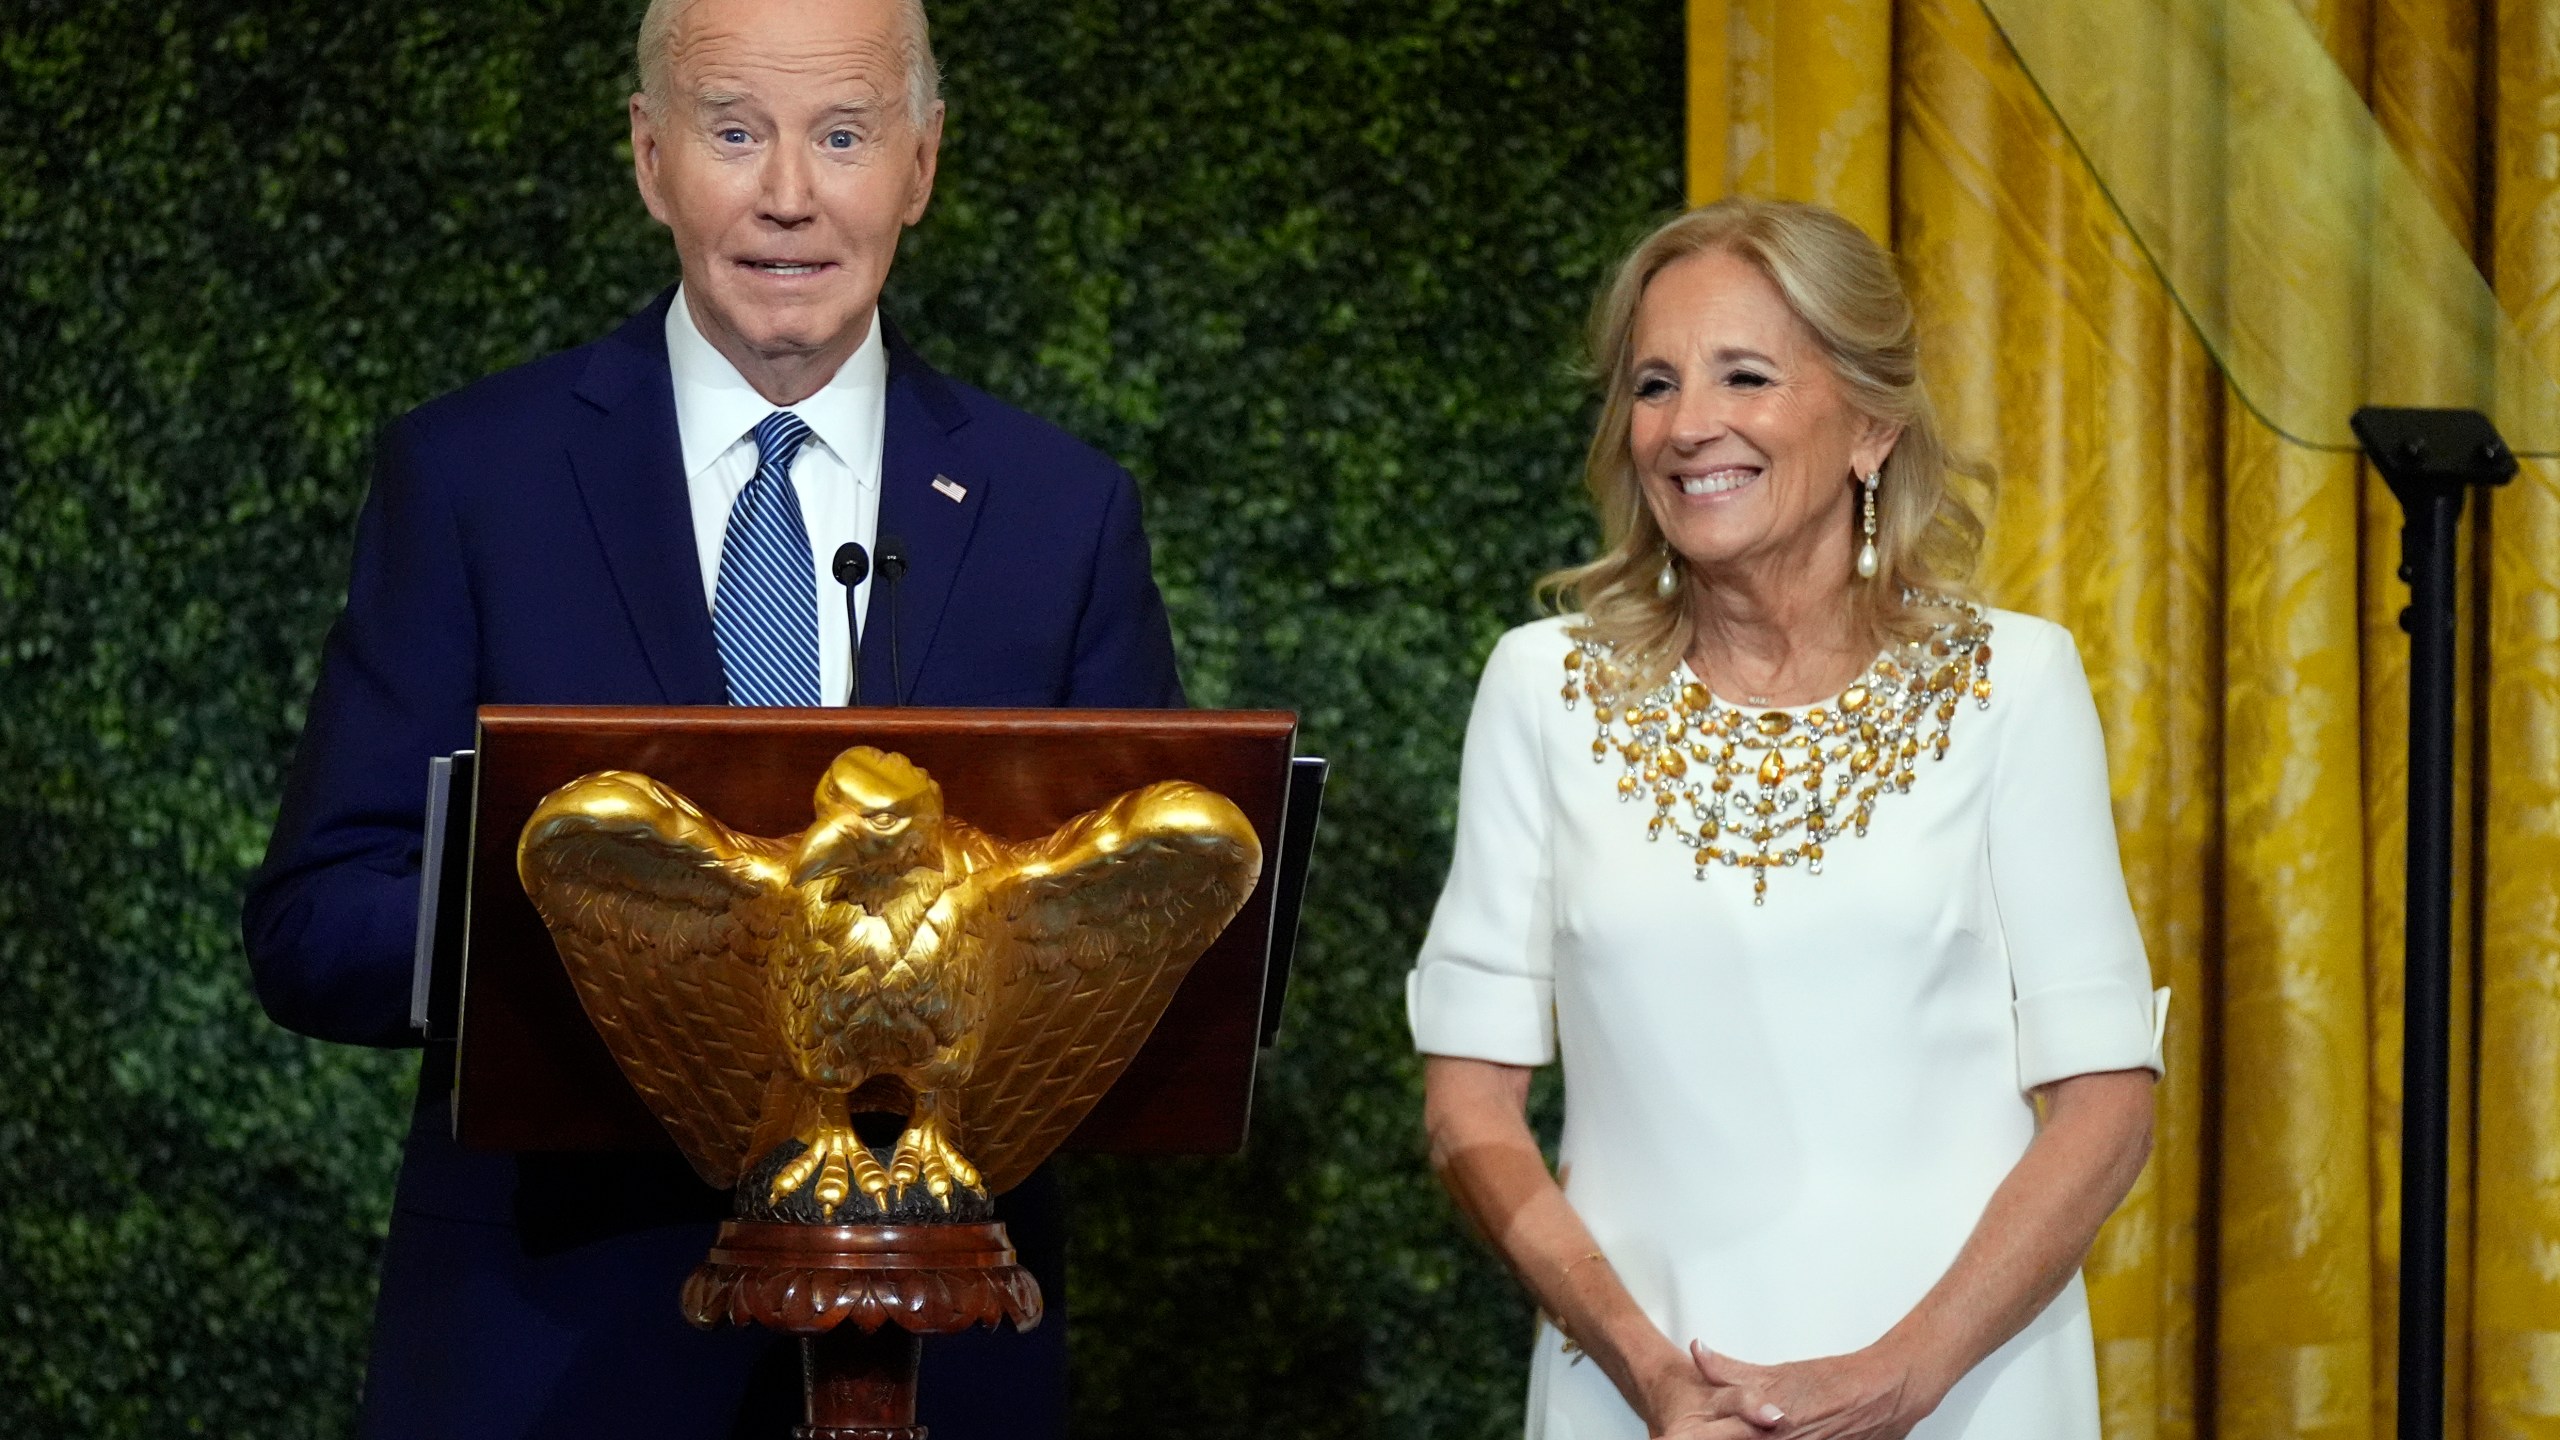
point(764, 611)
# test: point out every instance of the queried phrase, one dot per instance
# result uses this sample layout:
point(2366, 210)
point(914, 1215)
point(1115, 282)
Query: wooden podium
point(531, 1073)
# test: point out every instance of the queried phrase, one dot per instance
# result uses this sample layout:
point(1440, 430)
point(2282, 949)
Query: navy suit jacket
point(528, 540)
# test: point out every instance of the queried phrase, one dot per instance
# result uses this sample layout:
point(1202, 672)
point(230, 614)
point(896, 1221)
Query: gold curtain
point(2235, 601)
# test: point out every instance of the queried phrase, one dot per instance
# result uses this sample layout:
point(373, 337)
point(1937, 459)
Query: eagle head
point(878, 818)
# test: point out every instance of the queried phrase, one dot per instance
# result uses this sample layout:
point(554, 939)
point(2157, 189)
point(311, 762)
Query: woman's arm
point(1475, 1114)
point(2030, 1240)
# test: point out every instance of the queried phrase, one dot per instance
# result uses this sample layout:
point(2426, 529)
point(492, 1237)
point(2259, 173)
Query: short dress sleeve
point(1483, 987)
point(2081, 983)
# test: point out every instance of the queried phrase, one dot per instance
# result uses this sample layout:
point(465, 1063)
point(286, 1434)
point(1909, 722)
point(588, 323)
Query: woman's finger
point(1742, 1390)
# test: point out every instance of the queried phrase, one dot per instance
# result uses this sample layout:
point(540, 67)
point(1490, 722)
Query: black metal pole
point(2431, 458)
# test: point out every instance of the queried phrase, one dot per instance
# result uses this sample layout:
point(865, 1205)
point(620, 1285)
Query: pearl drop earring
point(1666, 582)
point(1867, 551)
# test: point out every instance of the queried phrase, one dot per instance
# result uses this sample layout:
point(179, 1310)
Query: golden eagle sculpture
point(758, 993)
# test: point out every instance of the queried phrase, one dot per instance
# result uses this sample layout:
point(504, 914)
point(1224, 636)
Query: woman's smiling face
point(1743, 440)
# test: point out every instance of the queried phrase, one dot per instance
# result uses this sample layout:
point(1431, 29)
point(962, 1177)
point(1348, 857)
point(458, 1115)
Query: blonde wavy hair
point(1843, 287)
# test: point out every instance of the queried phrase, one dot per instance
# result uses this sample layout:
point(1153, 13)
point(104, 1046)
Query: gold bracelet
point(1593, 1255)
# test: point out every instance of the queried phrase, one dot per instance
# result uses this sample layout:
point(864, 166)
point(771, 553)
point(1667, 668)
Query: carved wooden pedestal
point(861, 1295)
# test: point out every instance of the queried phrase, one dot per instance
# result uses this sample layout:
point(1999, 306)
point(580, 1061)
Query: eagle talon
point(839, 1163)
point(925, 1156)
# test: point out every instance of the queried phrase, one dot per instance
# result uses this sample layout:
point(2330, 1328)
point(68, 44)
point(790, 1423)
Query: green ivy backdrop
point(1312, 269)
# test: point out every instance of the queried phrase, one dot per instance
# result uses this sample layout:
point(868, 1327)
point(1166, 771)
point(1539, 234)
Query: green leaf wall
point(1313, 270)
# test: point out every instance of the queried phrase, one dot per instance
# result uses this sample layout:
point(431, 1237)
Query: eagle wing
point(663, 916)
point(1082, 939)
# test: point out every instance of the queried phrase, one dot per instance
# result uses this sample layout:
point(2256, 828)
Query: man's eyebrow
point(719, 99)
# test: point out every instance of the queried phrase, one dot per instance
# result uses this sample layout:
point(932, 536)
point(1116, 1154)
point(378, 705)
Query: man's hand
point(1868, 1394)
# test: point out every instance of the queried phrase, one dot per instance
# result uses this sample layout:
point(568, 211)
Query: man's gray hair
point(658, 35)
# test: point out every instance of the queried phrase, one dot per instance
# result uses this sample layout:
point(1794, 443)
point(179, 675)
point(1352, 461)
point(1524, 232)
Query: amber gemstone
point(1573, 660)
point(1693, 697)
point(1773, 769)
point(1854, 699)
point(1777, 722)
point(1670, 763)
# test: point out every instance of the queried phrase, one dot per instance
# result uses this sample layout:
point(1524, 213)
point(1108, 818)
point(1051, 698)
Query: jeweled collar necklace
point(1769, 789)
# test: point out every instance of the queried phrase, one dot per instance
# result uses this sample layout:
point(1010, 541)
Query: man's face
point(786, 164)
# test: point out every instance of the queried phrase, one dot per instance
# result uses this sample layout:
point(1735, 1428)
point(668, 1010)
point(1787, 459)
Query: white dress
point(1782, 1121)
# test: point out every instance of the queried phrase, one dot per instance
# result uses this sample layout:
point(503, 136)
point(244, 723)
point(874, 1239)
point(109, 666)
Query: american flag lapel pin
point(952, 489)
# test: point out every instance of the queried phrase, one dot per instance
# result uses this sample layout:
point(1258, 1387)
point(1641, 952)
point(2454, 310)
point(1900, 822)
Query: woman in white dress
point(1817, 900)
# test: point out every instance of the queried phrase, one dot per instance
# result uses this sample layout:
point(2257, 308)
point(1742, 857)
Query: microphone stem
point(853, 631)
point(896, 670)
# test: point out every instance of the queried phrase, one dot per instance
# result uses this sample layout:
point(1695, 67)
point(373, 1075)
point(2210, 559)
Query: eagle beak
point(822, 853)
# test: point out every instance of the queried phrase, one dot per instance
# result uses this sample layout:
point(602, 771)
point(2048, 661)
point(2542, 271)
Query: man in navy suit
point(651, 519)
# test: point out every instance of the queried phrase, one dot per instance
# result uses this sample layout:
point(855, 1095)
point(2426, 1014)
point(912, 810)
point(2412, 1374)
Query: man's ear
point(928, 156)
point(644, 157)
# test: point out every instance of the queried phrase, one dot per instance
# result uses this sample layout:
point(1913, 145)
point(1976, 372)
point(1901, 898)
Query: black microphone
point(852, 564)
point(893, 568)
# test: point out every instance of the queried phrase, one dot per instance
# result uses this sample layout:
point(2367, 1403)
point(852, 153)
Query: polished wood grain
point(861, 1295)
point(532, 1074)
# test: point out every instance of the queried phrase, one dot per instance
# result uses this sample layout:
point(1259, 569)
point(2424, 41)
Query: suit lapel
point(630, 467)
point(918, 447)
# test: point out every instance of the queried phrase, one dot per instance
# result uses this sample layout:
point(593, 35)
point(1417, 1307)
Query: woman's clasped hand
point(1865, 1395)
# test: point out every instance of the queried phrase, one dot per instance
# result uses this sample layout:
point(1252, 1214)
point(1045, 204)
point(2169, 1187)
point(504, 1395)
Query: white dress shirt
point(837, 473)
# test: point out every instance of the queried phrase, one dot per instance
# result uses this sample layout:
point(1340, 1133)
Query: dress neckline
point(1866, 674)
